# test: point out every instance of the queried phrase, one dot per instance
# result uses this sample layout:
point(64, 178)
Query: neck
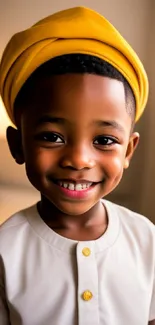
point(56, 219)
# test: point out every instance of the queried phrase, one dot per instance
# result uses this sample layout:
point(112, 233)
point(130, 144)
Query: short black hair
point(78, 63)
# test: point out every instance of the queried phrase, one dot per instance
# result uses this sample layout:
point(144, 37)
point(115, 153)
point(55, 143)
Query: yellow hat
point(75, 30)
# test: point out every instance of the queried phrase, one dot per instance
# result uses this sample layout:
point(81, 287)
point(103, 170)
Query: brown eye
point(49, 137)
point(104, 141)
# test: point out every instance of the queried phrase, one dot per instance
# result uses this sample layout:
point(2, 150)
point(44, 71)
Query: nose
point(78, 157)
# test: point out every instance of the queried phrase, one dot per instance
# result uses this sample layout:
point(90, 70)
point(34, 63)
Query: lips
point(75, 189)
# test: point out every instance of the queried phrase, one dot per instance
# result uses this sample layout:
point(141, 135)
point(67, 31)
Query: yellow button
point(86, 251)
point(87, 295)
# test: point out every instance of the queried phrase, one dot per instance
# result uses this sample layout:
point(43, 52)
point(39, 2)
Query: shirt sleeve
point(152, 306)
point(4, 312)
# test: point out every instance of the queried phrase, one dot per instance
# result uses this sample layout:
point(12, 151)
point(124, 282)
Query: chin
point(73, 209)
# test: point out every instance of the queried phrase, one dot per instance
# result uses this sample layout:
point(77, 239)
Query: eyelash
point(47, 137)
point(106, 139)
point(52, 136)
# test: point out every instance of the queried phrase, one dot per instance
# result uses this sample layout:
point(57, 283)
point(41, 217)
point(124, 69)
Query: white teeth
point(71, 186)
point(78, 187)
point(75, 187)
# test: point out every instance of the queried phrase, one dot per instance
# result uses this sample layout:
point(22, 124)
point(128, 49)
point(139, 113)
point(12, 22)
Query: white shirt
point(44, 277)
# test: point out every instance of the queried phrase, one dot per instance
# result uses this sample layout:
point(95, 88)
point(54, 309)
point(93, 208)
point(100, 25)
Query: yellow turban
point(75, 30)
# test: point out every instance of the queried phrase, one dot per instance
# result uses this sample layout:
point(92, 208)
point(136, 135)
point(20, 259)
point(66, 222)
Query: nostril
point(75, 168)
point(78, 163)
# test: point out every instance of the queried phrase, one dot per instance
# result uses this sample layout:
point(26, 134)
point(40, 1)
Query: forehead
point(78, 97)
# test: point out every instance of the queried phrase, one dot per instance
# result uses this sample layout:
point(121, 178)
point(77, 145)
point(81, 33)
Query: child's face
point(76, 130)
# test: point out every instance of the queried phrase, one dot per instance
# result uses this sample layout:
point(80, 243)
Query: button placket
point(88, 310)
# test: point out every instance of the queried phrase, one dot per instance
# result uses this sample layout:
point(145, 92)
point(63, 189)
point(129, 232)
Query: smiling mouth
point(75, 186)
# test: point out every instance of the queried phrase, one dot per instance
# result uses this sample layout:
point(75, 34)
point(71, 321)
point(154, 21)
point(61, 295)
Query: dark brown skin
point(93, 142)
point(79, 151)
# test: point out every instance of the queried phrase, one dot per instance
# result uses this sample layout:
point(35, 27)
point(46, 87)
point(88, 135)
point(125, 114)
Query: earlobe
point(126, 164)
point(15, 144)
point(132, 145)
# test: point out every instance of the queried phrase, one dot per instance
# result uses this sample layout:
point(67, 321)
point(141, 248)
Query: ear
point(132, 145)
point(15, 144)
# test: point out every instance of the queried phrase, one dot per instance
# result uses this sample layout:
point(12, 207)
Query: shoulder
point(129, 216)
point(134, 226)
point(15, 226)
point(17, 218)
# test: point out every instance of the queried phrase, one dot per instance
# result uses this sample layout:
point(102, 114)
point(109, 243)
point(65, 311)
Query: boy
point(74, 88)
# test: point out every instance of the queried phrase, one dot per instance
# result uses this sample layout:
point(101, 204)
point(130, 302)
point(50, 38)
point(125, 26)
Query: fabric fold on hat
point(75, 30)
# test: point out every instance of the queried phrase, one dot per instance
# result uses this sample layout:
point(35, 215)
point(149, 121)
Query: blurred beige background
point(135, 19)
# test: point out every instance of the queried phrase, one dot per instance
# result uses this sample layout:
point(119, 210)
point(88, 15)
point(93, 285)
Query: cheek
point(114, 166)
point(40, 162)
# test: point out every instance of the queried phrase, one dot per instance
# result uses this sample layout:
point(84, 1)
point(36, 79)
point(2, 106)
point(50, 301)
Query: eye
point(49, 137)
point(104, 141)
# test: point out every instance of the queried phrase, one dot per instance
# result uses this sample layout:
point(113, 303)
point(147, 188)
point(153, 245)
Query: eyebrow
point(112, 124)
point(60, 120)
point(50, 119)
